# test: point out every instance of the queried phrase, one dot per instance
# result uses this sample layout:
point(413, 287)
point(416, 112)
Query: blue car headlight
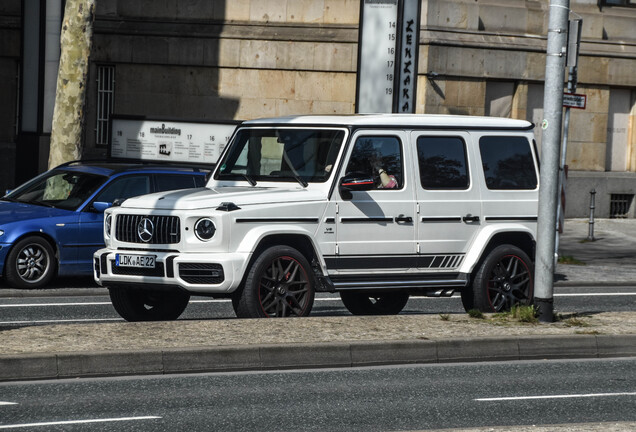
point(108, 219)
point(1, 233)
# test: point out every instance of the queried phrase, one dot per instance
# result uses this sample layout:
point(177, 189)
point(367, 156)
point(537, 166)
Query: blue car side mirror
point(101, 206)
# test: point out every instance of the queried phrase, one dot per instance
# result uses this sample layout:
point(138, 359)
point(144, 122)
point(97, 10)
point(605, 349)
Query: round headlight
point(107, 224)
point(204, 229)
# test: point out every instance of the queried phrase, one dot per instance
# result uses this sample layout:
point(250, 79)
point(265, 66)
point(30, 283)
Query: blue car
point(53, 224)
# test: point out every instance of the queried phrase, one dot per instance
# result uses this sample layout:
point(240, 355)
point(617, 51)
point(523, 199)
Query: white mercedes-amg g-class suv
point(375, 207)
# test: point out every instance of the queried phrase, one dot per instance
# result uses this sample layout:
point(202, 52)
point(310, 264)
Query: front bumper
point(213, 273)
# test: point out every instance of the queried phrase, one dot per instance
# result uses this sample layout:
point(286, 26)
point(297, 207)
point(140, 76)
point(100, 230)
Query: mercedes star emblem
point(145, 229)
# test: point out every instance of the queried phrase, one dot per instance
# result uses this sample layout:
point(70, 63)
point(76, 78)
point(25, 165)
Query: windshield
point(60, 189)
point(282, 154)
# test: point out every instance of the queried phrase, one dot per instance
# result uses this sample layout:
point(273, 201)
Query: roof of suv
point(399, 120)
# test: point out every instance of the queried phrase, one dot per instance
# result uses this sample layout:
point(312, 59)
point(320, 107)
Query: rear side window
point(167, 182)
point(125, 187)
point(442, 162)
point(507, 162)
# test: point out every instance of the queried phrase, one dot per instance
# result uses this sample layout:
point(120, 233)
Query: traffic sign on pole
point(574, 100)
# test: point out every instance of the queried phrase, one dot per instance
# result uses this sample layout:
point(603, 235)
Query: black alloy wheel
point(31, 263)
point(504, 279)
point(280, 283)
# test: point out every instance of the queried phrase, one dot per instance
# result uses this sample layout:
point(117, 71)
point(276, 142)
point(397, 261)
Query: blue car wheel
point(30, 264)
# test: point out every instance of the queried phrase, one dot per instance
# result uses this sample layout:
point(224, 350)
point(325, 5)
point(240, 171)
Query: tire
point(374, 304)
point(140, 305)
point(279, 283)
point(504, 279)
point(31, 263)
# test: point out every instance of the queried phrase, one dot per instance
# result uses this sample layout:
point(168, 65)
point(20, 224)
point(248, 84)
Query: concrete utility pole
point(68, 114)
point(550, 151)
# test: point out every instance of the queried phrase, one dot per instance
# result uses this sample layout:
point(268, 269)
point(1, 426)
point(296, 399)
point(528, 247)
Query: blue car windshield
point(59, 189)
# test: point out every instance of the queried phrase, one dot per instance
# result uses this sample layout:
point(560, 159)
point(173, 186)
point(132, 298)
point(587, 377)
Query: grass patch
point(566, 259)
point(444, 317)
point(524, 314)
point(476, 313)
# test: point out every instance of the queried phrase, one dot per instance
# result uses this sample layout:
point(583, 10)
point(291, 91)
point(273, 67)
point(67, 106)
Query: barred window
point(626, 3)
point(105, 102)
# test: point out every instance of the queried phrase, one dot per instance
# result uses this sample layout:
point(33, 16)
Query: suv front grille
point(164, 229)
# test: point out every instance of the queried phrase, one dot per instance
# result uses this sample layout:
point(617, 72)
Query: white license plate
point(129, 260)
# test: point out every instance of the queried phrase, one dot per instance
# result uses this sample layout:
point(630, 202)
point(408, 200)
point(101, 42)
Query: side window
point(124, 187)
point(442, 162)
point(167, 182)
point(507, 162)
point(379, 157)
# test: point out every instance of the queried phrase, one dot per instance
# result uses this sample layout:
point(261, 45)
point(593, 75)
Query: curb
point(297, 356)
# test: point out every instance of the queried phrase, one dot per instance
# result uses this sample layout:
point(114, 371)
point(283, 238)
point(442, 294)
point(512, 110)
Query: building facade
point(241, 59)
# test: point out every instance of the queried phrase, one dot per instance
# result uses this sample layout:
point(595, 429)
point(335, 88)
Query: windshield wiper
point(40, 203)
point(249, 179)
point(300, 180)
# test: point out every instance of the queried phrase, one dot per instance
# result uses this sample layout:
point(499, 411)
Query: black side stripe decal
point(277, 220)
point(366, 220)
point(511, 219)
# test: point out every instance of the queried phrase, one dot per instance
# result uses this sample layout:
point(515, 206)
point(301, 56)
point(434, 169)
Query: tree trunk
point(68, 114)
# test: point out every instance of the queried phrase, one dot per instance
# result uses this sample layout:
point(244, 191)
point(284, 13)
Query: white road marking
point(569, 396)
point(70, 422)
point(8, 403)
point(55, 304)
point(318, 299)
point(594, 294)
point(61, 321)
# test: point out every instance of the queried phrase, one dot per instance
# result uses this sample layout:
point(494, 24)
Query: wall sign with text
point(387, 56)
point(170, 141)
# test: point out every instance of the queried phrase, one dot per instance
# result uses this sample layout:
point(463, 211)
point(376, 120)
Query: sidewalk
point(610, 259)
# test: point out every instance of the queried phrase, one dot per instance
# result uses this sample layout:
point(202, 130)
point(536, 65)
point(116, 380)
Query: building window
point(626, 3)
point(620, 204)
point(499, 96)
point(105, 102)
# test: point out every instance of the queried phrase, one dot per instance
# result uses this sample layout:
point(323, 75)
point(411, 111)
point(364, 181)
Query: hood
point(20, 212)
point(208, 198)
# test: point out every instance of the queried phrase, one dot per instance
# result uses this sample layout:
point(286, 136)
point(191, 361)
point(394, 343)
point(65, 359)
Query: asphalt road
point(365, 399)
point(50, 309)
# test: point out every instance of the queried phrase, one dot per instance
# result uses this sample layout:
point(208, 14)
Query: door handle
point(470, 218)
point(402, 218)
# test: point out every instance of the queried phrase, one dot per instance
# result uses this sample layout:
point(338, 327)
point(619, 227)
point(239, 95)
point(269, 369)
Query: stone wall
point(228, 60)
